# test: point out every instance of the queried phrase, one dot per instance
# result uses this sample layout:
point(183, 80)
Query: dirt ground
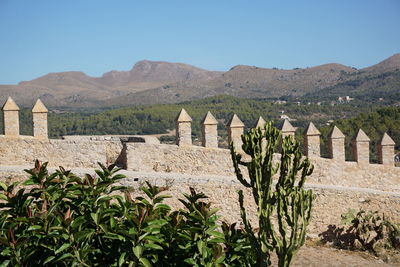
point(325, 256)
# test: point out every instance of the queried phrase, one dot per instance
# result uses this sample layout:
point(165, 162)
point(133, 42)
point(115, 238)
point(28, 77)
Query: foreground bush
point(66, 220)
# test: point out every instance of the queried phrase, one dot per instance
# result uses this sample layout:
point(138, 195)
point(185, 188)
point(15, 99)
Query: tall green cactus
point(289, 202)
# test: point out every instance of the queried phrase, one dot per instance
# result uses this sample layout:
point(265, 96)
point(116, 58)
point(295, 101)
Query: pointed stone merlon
point(336, 147)
point(235, 130)
point(10, 118)
point(361, 148)
point(260, 123)
point(39, 118)
point(287, 129)
point(386, 150)
point(312, 141)
point(183, 129)
point(209, 137)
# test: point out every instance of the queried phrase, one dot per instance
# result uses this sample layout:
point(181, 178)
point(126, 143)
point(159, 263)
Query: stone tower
point(235, 131)
point(39, 116)
point(336, 148)
point(10, 118)
point(386, 150)
point(311, 141)
point(209, 131)
point(361, 147)
point(183, 129)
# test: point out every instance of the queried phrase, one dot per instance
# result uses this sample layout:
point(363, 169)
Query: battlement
point(146, 154)
point(11, 119)
point(339, 184)
point(312, 139)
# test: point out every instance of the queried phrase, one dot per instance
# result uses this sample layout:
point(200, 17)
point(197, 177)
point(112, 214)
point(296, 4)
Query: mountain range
point(153, 82)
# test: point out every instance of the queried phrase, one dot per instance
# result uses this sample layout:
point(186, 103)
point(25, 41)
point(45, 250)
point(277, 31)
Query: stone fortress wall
point(339, 184)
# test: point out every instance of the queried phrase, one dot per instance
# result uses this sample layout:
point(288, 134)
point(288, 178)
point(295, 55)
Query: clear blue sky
point(95, 36)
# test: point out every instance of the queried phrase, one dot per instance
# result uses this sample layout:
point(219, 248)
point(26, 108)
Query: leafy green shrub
point(61, 219)
point(290, 203)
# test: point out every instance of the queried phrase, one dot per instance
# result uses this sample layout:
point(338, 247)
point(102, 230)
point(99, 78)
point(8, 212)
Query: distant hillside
point(380, 82)
point(76, 89)
point(151, 82)
point(242, 81)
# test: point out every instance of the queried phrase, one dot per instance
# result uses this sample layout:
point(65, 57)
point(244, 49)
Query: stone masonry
point(361, 148)
point(235, 128)
point(336, 145)
point(287, 129)
point(39, 117)
point(339, 184)
point(11, 118)
point(386, 150)
point(311, 141)
point(183, 129)
point(209, 133)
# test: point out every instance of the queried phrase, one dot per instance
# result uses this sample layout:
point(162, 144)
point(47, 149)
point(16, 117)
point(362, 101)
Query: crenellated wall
point(339, 184)
point(145, 154)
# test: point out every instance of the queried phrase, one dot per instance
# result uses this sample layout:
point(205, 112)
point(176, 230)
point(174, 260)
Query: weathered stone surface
point(235, 122)
point(312, 141)
point(287, 129)
point(386, 150)
point(39, 117)
point(336, 147)
point(40, 125)
point(312, 130)
point(10, 105)
point(183, 129)
point(183, 116)
point(361, 136)
point(209, 119)
point(336, 133)
point(24, 151)
point(260, 123)
point(361, 148)
point(188, 160)
point(202, 161)
point(39, 107)
point(10, 118)
point(209, 133)
point(328, 207)
point(148, 139)
point(183, 133)
point(235, 128)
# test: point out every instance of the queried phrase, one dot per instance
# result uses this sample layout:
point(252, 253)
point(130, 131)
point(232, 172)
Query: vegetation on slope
point(154, 119)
